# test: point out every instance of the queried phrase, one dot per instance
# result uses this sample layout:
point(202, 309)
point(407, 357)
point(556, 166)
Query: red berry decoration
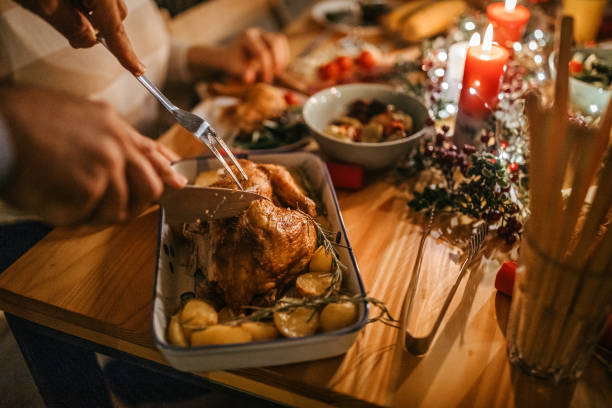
point(514, 167)
point(494, 216)
point(504, 144)
point(504, 280)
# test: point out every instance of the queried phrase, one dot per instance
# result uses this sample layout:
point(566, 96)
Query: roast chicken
point(250, 258)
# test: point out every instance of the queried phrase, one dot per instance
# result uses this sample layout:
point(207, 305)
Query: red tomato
point(291, 98)
point(575, 66)
point(345, 63)
point(395, 125)
point(504, 281)
point(366, 60)
point(329, 71)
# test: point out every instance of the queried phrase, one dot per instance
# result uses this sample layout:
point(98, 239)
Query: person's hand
point(106, 16)
point(255, 54)
point(77, 161)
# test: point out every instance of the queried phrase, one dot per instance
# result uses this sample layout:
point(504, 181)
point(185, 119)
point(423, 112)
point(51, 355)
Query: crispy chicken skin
point(255, 254)
point(258, 102)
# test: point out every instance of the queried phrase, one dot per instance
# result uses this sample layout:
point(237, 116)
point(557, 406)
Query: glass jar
point(557, 316)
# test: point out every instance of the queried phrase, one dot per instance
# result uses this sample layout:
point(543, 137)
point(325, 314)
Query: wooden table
point(97, 284)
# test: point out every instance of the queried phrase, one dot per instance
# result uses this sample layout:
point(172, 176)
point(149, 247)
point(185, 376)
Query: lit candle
point(454, 67)
point(482, 77)
point(509, 21)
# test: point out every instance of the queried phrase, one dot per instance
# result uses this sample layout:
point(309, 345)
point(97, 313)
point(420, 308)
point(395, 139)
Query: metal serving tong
point(194, 124)
point(420, 345)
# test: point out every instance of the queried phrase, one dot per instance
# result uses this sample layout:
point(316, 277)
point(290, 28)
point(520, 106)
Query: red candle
point(509, 22)
point(482, 77)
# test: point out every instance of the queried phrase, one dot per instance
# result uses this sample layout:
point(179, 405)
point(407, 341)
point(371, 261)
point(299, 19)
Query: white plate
point(212, 109)
point(172, 279)
point(320, 10)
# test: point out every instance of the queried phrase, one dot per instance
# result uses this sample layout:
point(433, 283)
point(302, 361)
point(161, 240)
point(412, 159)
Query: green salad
point(595, 69)
point(288, 128)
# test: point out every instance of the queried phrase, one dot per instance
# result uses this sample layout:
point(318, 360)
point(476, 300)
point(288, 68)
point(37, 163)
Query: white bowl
point(584, 97)
point(325, 106)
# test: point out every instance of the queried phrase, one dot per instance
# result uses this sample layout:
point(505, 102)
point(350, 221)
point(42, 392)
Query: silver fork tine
point(192, 123)
point(219, 157)
point(227, 150)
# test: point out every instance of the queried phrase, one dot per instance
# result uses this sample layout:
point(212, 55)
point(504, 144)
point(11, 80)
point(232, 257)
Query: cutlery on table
point(420, 344)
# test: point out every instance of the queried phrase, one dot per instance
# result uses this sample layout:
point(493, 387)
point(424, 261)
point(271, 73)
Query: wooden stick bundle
point(566, 267)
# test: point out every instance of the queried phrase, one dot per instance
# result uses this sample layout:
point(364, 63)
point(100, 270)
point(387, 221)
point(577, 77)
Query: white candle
point(455, 65)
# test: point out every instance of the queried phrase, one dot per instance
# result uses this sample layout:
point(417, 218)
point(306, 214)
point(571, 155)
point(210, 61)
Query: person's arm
point(78, 21)
point(77, 161)
point(255, 55)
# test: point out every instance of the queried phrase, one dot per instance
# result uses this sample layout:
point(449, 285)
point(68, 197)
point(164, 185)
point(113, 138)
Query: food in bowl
point(371, 121)
point(592, 68)
point(265, 273)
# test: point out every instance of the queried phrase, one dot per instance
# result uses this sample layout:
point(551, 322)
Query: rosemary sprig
point(317, 303)
point(327, 240)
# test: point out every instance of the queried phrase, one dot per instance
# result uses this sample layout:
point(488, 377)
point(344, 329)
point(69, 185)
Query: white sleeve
point(178, 70)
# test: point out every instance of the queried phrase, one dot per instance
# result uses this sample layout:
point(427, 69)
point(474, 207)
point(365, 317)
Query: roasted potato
point(176, 335)
point(261, 330)
point(321, 261)
point(226, 315)
point(197, 314)
point(206, 178)
point(314, 283)
point(299, 322)
point(335, 316)
point(220, 334)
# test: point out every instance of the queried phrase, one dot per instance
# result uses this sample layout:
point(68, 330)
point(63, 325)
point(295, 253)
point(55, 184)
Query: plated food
point(257, 117)
point(417, 20)
point(371, 121)
point(246, 282)
point(590, 78)
point(592, 68)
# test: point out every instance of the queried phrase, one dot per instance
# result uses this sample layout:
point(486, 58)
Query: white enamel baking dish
point(172, 279)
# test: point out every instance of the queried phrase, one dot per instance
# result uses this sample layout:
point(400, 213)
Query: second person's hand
point(78, 21)
point(254, 55)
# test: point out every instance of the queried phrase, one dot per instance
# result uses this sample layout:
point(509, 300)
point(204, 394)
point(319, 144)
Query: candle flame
point(475, 40)
point(487, 42)
point(510, 5)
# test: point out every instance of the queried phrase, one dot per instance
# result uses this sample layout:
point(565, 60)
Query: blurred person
point(72, 158)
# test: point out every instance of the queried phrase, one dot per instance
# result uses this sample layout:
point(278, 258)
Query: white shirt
point(32, 53)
